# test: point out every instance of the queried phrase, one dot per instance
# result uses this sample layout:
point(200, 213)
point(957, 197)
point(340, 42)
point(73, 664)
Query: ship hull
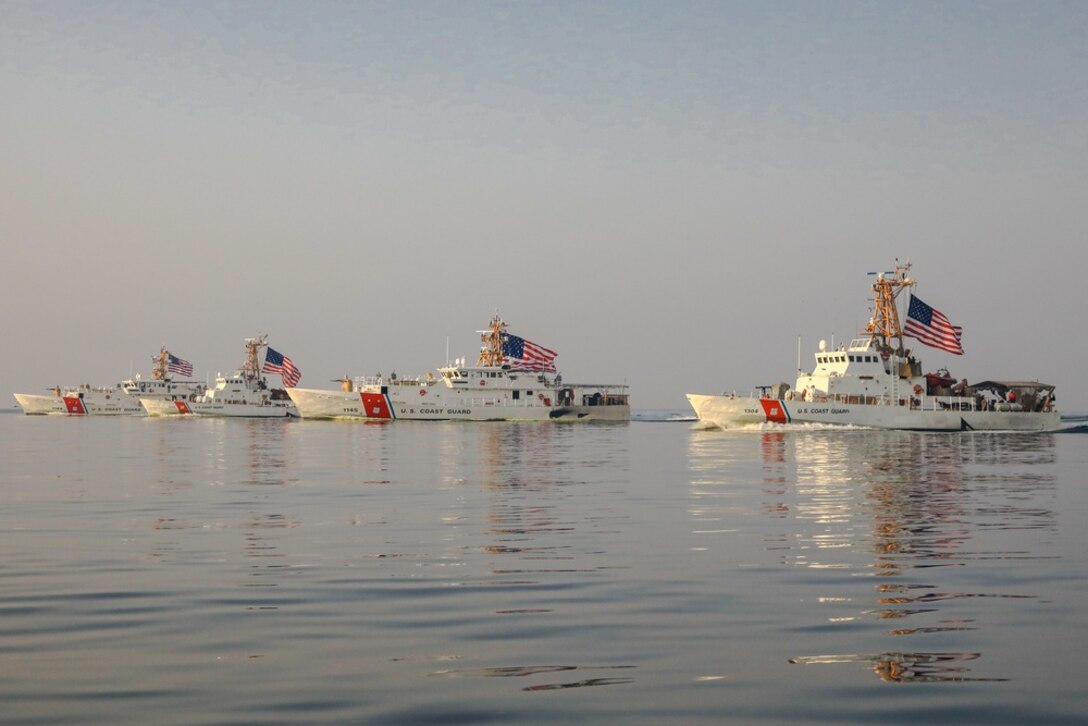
point(35, 405)
point(84, 402)
point(730, 412)
point(102, 403)
point(161, 407)
point(315, 403)
point(437, 403)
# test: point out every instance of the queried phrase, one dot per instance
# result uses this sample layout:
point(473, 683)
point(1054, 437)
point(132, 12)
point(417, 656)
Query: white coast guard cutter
point(877, 382)
point(497, 388)
point(120, 400)
point(245, 393)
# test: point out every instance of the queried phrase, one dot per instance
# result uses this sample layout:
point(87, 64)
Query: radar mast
point(884, 325)
point(251, 369)
point(491, 352)
point(158, 371)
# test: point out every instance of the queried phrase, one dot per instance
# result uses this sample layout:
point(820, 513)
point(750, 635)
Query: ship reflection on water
point(928, 519)
point(905, 667)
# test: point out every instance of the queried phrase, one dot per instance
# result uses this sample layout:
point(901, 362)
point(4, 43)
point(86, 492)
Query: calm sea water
point(206, 571)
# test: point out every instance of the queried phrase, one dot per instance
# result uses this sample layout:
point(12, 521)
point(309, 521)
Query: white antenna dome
point(823, 346)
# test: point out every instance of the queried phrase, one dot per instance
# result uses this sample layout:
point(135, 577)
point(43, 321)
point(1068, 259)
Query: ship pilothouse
point(858, 373)
point(499, 383)
point(875, 369)
point(162, 385)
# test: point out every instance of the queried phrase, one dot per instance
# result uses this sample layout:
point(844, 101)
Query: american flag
point(525, 355)
point(179, 366)
point(275, 362)
point(932, 327)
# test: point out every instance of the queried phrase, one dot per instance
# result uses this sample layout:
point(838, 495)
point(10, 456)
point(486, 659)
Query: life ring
point(483, 382)
point(423, 391)
point(917, 390)
point(540, 396)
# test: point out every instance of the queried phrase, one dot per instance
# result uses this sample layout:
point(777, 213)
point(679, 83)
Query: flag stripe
point(524, 355)
point(932, 328)
point(275, 362)
point(179, 366)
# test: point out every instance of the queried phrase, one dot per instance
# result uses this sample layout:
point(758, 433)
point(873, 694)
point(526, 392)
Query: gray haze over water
point(666, 194)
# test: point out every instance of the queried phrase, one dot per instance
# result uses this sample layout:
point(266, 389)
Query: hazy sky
point(666, 193)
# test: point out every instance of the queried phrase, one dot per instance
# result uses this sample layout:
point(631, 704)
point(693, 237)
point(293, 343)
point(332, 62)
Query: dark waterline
point(223, 572)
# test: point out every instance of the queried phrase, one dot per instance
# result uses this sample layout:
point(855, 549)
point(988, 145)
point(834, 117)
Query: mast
point(251, 369)
point(491, 352)
point(158, 371)
point(884, 325)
